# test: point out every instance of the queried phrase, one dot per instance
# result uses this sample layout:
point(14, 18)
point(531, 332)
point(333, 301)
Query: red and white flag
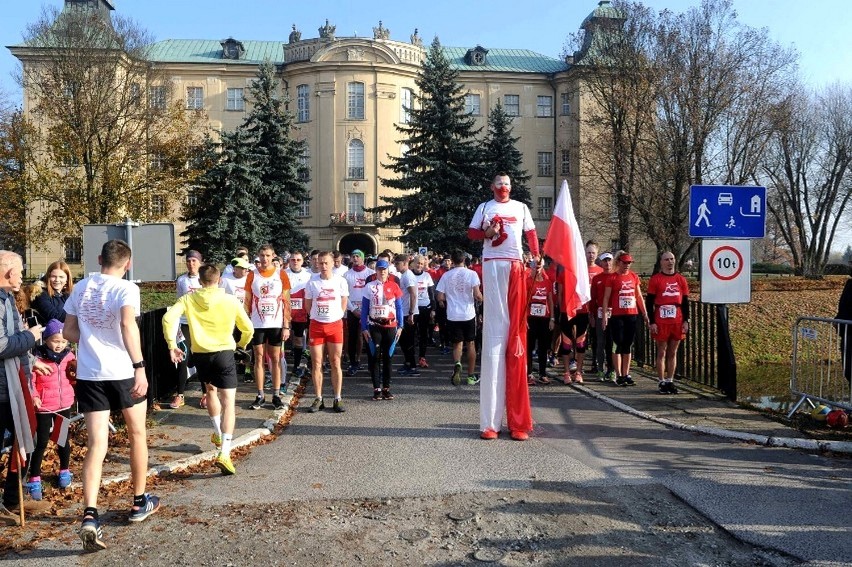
point(23, 412)
point(59, 434)
point(565, 246)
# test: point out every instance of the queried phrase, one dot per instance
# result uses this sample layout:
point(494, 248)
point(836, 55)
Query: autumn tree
point(13, 205)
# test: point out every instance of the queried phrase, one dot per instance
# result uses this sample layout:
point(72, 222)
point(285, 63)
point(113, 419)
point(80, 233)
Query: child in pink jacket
point(53, 394)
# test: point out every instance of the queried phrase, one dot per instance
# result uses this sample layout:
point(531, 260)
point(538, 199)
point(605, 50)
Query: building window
point(156, 162)
point(158, 205)
point(471, 104)
point(405, 106)
point(566, 104)
point(566, 162)
point(135, 93)
point(304, 173)
point(157, 97)
point(355, 205)
point(73, 250)
point(545, 208)
point(355, 160)
point(194, 98)
point(192, 198)
point(355, 101)
point(512, 104)
point(545, 164)
point(68, 157)
point(304, 210)
point(303, 103)
point(544, 106)
point(236, 100)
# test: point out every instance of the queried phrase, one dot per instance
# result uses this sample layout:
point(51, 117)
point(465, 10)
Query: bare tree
point(104, 143)
point(808, 173)
point(12, 199)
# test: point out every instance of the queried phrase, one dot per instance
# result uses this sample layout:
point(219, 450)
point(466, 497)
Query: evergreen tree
point(227, 212)
point(439, 176)
point(269, 128)
point(502, 155)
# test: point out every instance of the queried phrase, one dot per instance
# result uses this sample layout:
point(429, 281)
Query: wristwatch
point(140, 364)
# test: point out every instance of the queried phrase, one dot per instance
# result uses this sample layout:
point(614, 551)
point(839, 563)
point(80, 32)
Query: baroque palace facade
point(348, 93)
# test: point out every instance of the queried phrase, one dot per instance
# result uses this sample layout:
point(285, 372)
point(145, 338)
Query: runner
point(458, 291)
point(623, 297)
point(356, 278)
point(187, 283)
point(381, 325)
point(603, 355)
point(667, 305)
point(299, 277)
point(541, 321)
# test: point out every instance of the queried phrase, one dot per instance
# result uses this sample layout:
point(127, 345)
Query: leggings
point(424, 327)
point(44, 422)
point(407, 340)
point(622, 329)
point(538, 333)
point(382, 338)
point(353, 337)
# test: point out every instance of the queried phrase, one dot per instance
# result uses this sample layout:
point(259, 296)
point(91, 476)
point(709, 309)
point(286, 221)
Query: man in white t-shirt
point(458, 290)
point(326, 298)
point(101, 319)
point(356, 278)
point(299, 276)
point(408, 285)
point(185, 284)
point(501, 223)
point(234, 283)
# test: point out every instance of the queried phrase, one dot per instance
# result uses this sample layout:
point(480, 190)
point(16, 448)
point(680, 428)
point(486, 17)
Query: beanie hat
point(53, 327)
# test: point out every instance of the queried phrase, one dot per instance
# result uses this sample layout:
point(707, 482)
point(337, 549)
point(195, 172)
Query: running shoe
point(621, 381)
point(352, 370)
point(377, 394)
point(578, 377)
point(277, 403)
point(488, 435)
point(225, 465)
point(413, 372)
point(572, 366)
point(258, 403)
point(472, 380)
point(386, 394)
point(177, 402)
point(338, 406)
point(628, 380)
point(317, 405)
point(152, 504)
point(92, 535)
point(457, 374)
point(404, 370)
point(422, 363)
point(216, 439)
point(519, 435)
point(65, 478)
point(33, 488)
point(609, 376)
point(530, 379)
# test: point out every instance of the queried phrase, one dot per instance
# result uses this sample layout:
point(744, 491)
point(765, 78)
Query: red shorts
point(670, 332)
point(322, 333)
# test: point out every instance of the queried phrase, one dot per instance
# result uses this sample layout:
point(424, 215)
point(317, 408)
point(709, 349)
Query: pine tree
point(502, 155)
point(439, 176)
point(269, 129)
point(228, 213)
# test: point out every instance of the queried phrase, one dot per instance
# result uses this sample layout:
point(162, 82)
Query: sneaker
point(413, 372)
point(578, 377)
point(277, 403)
point(531, 380)
point(404, 370)
point(457, 374)
point(488, 435)
point(299, 373)
point(572, 366)
point(519, 435)
point(628, 380)
point(422, 363)
point(317, 405)
point(33, 488)
point(445, 350)
point(377, 394)
point(621, 381)
point(663, 387)
point(352, 370)
point(152, 504)
point(338, 406)
point(92, 535)
point(216, 439)
point(258, 403)
point(672, 388)
point(177, 402)
point(225, 465)
point(609, 376)
point(472, 380)
point(282, 391)
point(386, 394)
point(551, 361)
point(65, 478)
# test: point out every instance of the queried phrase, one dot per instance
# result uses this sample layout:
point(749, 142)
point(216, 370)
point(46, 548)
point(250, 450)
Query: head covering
point(240, 262)
point(626, 258)
point(357, 253)
point(382, 265)
point(193, 254)
point(53, 327)
point(605, 256)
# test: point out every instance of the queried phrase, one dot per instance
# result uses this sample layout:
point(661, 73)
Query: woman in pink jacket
point(53, 394)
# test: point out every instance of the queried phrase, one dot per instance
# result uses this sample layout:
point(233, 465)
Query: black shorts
point(217, 368)
point(575, 326)
point(105, 395)
point(461, 331)
point(271, 337)
point(297, 329)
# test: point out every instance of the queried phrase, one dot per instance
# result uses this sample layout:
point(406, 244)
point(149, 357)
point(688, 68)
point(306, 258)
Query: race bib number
point(538, 310)
point(668, 311)
point(322, 309)
point(380, 311)
point(296, 304)
point(268, 308)
point(626, 302)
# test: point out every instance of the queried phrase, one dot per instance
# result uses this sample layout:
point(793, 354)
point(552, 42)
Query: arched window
point(355, 160)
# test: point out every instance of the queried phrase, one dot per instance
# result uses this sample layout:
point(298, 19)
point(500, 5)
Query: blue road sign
point(727, 211)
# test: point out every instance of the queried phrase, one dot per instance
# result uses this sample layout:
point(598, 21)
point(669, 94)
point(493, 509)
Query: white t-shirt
point(267, 311)
point(340, 270)
point(96, 301)
point(357, 281)
point(457, 285)
point(424, 282)
point(516, 220)
point(234, 286)
point(187, 284)
point(326, 296)
point(407, 280)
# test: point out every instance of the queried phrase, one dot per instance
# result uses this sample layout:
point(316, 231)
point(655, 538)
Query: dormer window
point(476, 56)
point(232, 49)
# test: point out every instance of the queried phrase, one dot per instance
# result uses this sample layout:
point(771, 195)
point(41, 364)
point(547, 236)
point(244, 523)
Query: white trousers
point(495, 331)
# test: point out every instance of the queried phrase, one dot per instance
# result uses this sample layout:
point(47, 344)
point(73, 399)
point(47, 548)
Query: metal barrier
point(822, 362)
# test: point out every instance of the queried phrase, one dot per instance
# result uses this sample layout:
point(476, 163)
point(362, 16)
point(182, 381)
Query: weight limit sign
point(726, 273)
point(726, 263)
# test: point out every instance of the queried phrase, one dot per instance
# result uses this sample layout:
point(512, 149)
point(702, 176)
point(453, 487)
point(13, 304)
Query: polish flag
point(565, 246)
point(23, 413)
point(59, 435)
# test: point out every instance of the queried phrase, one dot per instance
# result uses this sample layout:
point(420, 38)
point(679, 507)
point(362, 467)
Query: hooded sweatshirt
point(211, 315)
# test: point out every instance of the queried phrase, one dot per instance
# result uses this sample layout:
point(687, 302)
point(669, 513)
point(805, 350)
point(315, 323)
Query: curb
point(816, 445)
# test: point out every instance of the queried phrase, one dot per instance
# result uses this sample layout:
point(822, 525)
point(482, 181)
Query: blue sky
point(821, 30)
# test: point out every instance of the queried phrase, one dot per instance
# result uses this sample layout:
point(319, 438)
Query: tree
point(501, 154)
point(283, 174)
point(847, 254)
point(13, 205)
point(440, 176)
point(98, 149)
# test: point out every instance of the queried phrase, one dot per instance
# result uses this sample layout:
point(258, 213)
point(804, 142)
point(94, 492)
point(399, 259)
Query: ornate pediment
point(354, 50)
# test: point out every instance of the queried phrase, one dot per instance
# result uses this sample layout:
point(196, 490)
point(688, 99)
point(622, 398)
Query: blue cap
point(382, 265)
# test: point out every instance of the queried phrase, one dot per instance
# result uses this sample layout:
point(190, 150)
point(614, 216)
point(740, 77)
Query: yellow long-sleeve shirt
point(211, 315)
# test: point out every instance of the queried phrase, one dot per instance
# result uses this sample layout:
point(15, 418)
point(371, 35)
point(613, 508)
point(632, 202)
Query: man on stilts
point(501, 223)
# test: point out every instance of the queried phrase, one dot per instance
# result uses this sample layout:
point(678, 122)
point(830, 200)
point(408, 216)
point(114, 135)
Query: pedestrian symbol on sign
point(703, 214)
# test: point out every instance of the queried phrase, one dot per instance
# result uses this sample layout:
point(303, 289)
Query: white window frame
point(545, 208)
point(355, 100)
point(472, 104)
point(157, 97)
point(513, 108)
point(73, 248)
point(303, 103)
point(405, 102)
point(195, 98)
point(355, 159)
point(355, 205)
point(236, 99)
point(192, 198)
point(305, 160)
point(544, 106)
point(158, 205)
point(566, 104)
point(545, 164)
point(304, 209)
point(565, 165)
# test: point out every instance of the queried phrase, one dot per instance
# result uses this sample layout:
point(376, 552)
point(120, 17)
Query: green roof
point(210, 50)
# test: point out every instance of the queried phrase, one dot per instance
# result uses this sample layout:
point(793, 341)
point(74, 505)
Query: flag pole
point(17, 456)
